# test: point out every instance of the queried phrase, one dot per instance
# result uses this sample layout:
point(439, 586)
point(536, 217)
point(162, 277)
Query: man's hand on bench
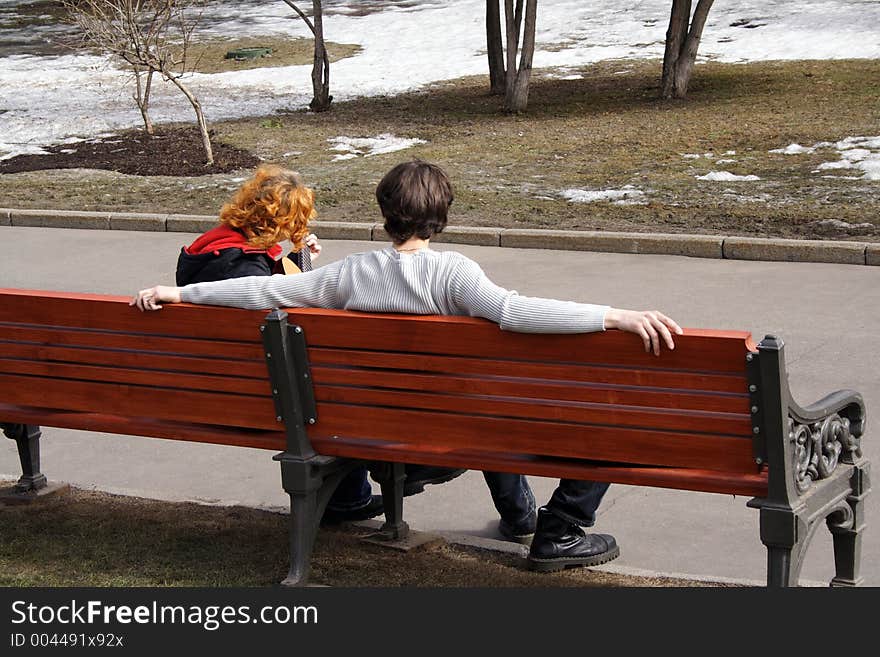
point(652, 325)
point(152, 298)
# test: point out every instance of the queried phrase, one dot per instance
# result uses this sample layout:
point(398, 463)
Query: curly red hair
point(271, 207)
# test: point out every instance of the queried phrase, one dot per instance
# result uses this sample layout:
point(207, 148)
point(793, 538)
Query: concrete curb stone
point(749, 248)
point(189, 223)
point(477, 236)
point(698, 246)
point(137, 221)
point(378, 234)
point(60, 219)
point(343, 230)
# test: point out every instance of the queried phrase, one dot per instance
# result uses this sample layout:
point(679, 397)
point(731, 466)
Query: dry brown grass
point(91, 538)
point(603, 131)
point(210, 56)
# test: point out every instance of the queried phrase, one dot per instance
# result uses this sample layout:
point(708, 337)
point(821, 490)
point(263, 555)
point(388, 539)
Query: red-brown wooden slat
point(166, 380)
point(169, 404)
point(112, 313)
point(143, 426)
point(601, 443)
point(715, 359)
point(719, 351)
point(704, 480)
point(510, 387)
point(127, 358)
point(657, 378)
point(573, 412)
point(64, 336)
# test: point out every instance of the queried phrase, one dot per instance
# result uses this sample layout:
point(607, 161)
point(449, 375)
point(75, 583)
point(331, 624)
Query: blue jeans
point(353, 492)
point(574, 500)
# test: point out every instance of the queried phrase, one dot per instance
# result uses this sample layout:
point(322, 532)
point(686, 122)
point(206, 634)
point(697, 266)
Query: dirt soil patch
point(171, 151)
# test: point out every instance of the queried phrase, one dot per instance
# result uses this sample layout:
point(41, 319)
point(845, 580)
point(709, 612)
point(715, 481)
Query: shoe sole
point(415, 489)
point(332, 517)
point(523, 539)
point(560, 563)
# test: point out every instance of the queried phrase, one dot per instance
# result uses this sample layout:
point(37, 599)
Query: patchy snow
point(624, 196)
point(794, 149)
point(725, 160)
point(691, 156)
point(48, 98)
point(844, 226)
point(726, 176)
point(859, 153)
point(367, 146)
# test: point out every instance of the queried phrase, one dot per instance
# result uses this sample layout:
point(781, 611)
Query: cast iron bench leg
point(785, 534)
point(847, 532)
point(391, 477)
point(27, 437)
point(303, 527)
point(302, 479)
point(310, 483)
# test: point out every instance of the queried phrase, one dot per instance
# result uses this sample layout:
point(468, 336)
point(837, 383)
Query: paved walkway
point(828, 315)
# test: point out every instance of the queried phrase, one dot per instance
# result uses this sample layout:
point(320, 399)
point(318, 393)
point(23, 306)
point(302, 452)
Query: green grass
point(604, 131)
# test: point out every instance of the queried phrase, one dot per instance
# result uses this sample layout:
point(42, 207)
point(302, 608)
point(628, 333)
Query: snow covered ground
point(50, 99)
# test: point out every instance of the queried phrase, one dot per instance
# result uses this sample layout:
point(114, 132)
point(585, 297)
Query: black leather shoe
point(560, 544)
point(518, 532)
point(370, 510)
point(419, 476)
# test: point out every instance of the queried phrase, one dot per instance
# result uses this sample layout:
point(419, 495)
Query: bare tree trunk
point(682, 45)
point(516, 93)
point(321, 97)
point(494, 47)
point(142, 97)
point(512, 21)
point(675, 36)
point(200, 118)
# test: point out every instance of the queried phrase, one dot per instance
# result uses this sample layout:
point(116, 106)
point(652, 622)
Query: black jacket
point(223, 253)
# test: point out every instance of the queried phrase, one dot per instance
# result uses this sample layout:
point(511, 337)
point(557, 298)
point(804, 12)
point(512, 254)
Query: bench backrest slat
point(732, 424)
point(595, 374)
point(109, 423)
point(77, 355)
point(107, 312)
point(414, 382)
point(521, 387)
point(136, 355)
point(153, 378)
point(544, 438)
point(69, 336)
point(708, 351)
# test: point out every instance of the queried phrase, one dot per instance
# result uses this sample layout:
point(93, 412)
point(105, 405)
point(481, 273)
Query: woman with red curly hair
point(271, 207)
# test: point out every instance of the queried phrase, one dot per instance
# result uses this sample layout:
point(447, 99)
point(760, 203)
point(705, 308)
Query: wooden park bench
point(343, 388)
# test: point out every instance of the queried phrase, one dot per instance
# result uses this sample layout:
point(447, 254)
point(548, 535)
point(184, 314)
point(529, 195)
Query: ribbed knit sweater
point(426, 282)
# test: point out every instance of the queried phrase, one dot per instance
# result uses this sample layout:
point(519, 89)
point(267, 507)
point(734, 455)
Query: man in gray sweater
point(409, 277)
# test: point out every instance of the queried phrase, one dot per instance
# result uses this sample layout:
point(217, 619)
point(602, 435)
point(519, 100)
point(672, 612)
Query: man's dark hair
point(414, 198)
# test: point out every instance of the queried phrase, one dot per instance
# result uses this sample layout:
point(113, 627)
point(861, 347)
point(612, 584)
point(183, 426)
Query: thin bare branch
point(151, 36)
point(301, 15)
